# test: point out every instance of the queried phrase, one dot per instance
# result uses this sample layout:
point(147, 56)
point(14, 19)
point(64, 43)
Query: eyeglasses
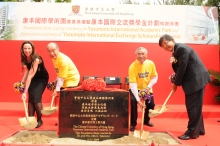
point(165, 43)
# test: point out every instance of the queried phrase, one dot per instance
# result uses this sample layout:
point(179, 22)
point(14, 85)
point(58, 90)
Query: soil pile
point(50, 137)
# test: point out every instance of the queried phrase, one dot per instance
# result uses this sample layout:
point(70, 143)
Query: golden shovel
point(141, 133)
point(27, 122)
point(160, 109)
point(49, 110)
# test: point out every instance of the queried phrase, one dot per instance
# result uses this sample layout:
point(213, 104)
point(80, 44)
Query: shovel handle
point(51, 104)
point(142, 118)
point(168, 97)
point(25, 109)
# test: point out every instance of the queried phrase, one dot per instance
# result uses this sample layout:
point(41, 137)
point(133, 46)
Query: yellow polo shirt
point(142, 73)
point(66, 69)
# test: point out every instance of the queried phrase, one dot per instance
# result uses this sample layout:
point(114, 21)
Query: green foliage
point(183, 2)
point(58, 1)
point(61, 1)
point(215, 82)
point(11, 0)
point(9, 35)
point(217, 98)
point(147, 2)
point(213, 3)
point(214, 73)
point(127, 2)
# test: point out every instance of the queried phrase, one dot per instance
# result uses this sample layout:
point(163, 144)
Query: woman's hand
point(141, 104)
point(23, 95)
point(55, 93)
point(174, 87)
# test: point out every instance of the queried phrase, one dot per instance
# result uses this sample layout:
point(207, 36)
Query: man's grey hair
point(53, 44)
point(140, 48)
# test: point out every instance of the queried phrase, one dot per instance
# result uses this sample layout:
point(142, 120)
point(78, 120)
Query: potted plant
point(215, 75)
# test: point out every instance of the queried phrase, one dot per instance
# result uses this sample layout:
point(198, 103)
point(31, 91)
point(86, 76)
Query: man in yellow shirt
point(142, 76)
point(67, 73)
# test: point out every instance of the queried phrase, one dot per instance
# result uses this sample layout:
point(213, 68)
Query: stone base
point(93, 116)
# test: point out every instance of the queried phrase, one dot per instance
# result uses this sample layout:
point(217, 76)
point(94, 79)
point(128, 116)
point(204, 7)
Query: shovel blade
point(29, 124)
point(158, 111)
point(48, 110)
point(141, 134)
point(22, 121)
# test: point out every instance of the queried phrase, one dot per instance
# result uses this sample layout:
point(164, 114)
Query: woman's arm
point(25, 74)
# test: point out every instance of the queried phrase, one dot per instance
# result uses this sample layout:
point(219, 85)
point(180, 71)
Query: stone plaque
point(93, 116)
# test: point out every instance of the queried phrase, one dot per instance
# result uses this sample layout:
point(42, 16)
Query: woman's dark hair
point(24, 57)
point(165, 37)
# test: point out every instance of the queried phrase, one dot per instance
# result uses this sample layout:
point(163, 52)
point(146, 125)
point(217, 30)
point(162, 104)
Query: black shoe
point(56, 124)
point(149, 124)
point(194, 137)
point(132, 128)
point(202, 133)
point(39, 123)
point(184, 137)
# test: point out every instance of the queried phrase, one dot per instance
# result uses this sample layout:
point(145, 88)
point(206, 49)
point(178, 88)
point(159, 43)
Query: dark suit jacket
point(191, 74)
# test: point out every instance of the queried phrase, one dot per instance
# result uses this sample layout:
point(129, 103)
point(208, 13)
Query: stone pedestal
point(93, 116)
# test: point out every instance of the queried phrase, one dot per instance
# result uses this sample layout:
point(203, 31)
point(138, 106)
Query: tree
point(184, 2)
point(11, 0)
point(136, 2)
point(215, 82)
point(215, 3)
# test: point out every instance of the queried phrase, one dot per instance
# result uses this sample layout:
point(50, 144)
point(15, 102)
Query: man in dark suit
point(192, 75)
